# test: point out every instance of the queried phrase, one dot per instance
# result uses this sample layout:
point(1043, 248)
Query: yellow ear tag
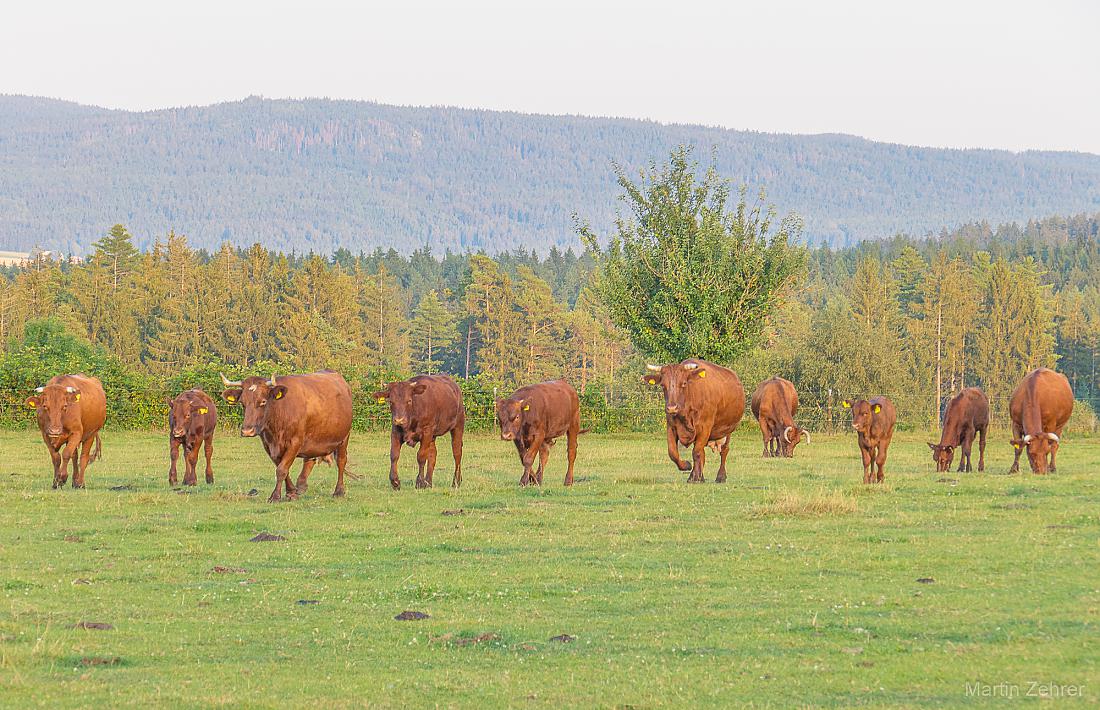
point(846, 404)
point(526, 407)
point(381, 400)
point(702, 373)
point(230, 398)
point(77, 396)
point(878, 408)
point(651, 381)
point(204, 410)
point(279, 394)
point(32, 404)
point(1016, 446)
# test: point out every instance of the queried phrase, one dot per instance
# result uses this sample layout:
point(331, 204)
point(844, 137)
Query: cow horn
point(39, 390)
point(655, 368)
point(1028, 438)
point(690, 365)
point(228, 382)
point(787, 434)
point(70, 389)
point(272, 380)
point(806, 433)
point(1053, 437)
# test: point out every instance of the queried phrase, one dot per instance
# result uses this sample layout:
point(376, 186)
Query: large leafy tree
point(686, 274)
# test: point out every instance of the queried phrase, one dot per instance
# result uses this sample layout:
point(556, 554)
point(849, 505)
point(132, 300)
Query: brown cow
point(704, 404)
point(966, 416)
point(533, 417)
point(774, 404)
point(71, 410)
point(297, 416)
point(1040, 408)
point(874, 421)
point(423, 408)
point(192, 420)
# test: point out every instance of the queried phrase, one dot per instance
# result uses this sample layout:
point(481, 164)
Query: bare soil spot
point(124, 487)
point(253, 492)
point(1061, 527)
point(563, 638)
point(219, 569)
point(925, 580)
point(412, 616)
point(100, 661)
point(855, 650)
point(82, 580)
point(267, 537)
point(307, 602)
point(952, 481)
point(93, 625)
point(791, 504)
point(465, 640)
point(459, 511)
point(73, 538)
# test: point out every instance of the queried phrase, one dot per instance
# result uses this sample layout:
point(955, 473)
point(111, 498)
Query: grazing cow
point(533, 417)
point(423, 408)
point(966, 416)
point(704, 404)
point(297, 416)
point(192, 419)
point(1040, 408)
point(71, 411)
point(873, 419)
point(774, 404)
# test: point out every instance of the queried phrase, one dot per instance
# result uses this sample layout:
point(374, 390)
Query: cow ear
point(1016, 443)
point(169, 401)
point(878, 408)
point(278, 391)
point(232, 396)
point(700, 372)
point(847, 404)
point(651, 379)
point(523, 405)
point(931, 445)
point(32, 402)
point(419, 388)
point(203, 410)
point(380, 396)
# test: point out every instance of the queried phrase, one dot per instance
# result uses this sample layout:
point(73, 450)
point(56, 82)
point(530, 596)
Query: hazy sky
point(1011, 75)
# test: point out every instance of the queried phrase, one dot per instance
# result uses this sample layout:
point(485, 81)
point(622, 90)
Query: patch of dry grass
point(792, 504)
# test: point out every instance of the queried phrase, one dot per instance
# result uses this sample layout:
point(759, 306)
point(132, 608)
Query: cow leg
point(723, 452)
point(208, 449)
point(1016, 434)
point(699, 456)
point(67, 455)
point(544, 454)
point(981, 450)
point(59, 476)
point(571, 438)
point(395, 455)
point(456, 449)
point(865, 452)
point(674, 450)
point(880, 461)
point(282, 473)
point(1053, 468)
point(303, 477)
point(765, 432)
point(85, 459)
point(530, 450)
point(341, 466)
point(191, 458)
point(173, 455)
point(425, 460)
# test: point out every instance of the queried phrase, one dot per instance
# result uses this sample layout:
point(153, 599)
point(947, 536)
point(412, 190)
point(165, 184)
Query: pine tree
point(431, 331)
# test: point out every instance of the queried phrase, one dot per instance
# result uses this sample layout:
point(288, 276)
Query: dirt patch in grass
point(220, 569)
point(925, 580)
point(412, 616)
point(267, 537)
point(456, 640)
point(93, 625)
point(563, 638)
point(100, 661)
point(459, 511)
point(791, 504)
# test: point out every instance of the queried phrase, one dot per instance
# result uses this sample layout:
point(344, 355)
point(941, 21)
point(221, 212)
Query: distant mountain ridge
point(319, 174)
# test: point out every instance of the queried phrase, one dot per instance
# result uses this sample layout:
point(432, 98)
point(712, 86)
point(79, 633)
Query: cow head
point(942, 455)
point(183, 409)
point(510, 416)
point(56, 404)
point(674, 380)
point(862, 413)
point(791, 437)
point(1039, 447)
point(402, 398)
point(257, 396)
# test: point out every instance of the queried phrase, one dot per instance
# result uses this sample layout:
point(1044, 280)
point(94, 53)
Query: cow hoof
point(395, 484)
point(275, 499)
point(301, 489)
point(421, 483)
point(80, 487)
point(338, 493)
point(190, 483)
point(209, 480)
point(685, 467)
point(720, 479)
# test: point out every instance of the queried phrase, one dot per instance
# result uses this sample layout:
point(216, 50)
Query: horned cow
point(71, 410)
point(423, 408)
point(774, 404)
point(192, 420)
point(1041, 405)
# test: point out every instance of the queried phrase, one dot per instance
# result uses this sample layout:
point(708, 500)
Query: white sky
point(1010, 74)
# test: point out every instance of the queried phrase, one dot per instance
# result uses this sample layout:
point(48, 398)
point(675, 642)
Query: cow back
point(719, 397)
point(440, 405)
point(317, 408)
point(1042, 402)
point(553, 407)
point(882, 421)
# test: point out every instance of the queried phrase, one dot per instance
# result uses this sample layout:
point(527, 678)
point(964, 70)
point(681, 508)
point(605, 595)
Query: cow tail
point(98, 449)
point(585, 431)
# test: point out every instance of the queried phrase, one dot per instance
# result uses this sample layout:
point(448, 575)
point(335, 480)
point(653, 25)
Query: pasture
point(792, 584)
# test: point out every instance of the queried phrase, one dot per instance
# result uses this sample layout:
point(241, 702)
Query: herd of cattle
point(309, 417)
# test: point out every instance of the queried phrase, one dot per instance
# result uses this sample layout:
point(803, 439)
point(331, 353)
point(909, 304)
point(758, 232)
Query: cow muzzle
point(672, 409)
point(507, 436)
point(178, 433)
point(400, 421)
point(248, 431)
point(53, 432)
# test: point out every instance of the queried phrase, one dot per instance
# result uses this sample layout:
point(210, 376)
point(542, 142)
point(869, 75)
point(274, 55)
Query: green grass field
point(791, 585)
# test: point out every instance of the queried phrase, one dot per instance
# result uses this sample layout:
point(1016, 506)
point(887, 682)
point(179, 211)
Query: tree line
point(916, 319)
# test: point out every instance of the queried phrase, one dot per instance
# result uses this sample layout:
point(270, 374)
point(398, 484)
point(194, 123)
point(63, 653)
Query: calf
point(874, 421)
point(966, 416)
point(71, 411)
point(533, 417)
point(192, 420)
point(423, 408)
point(304, 417)
point(1041, 405)
point(774, 404)
point(704, 404)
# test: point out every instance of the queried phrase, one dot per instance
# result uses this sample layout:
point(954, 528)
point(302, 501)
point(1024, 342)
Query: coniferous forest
point(905, 317)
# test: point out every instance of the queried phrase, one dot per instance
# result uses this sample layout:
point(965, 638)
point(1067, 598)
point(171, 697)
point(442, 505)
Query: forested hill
point(319, 174)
